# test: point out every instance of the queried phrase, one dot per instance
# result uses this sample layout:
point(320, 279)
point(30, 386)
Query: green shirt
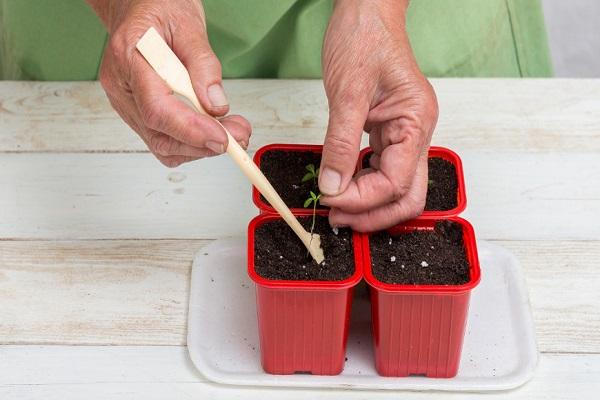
point(64, 40)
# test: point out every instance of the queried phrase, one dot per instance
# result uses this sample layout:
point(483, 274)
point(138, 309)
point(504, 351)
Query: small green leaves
point(311, 174)
point(313, 199)
point(430, 183)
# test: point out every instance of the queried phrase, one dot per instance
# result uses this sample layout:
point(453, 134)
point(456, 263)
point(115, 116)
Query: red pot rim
point(302, 284)
point(446, 154)
point(258, 202)
point(472, 257)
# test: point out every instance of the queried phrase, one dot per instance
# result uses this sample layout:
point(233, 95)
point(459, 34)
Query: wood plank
point(536, 115)
point(95, 292)
point(563, 281)
point(135, 292)
point(57, 372)
point(110, 196)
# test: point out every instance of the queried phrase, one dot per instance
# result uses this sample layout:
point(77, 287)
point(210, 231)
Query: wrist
point(395, 8)
point(388, 14)
point(111, 12)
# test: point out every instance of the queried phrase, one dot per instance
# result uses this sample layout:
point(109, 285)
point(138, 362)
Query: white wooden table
point(97, 238)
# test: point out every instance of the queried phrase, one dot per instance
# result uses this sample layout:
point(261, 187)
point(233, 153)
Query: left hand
point(373, 84)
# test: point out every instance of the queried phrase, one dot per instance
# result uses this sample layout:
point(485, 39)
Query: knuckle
point(161, 145)
point(416, 209)
point(202, 59)
point(209, 60)
point(106, 79)
point(151, 115)
point(432, 105)
point(118, 44)
point(338, 146)
point(400, 190)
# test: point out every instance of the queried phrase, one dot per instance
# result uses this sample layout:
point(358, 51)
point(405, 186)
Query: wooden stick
point(166, 63)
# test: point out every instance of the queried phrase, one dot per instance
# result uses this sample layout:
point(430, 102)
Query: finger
point(393, 179)
point(174, 161)
point(125, 106)
point(165, 146)
point(374, 161)
point(341, 148)
point(192, 47)
point(375, 142)
point(408, 207)
point(161, 111)
point(239, 128)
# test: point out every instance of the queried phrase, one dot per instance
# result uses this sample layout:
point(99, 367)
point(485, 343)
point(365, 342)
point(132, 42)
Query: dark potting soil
point(280, 255)
point(421, 257)
point(442, 185)
point(285, 170)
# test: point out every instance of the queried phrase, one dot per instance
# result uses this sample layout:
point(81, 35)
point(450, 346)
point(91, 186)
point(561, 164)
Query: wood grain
point(75, 372)
point(111, 196)
point(87, 254)
point(537, 115)
point(135, 292)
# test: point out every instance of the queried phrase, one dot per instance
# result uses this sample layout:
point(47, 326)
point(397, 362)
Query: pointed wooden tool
point(166, 63)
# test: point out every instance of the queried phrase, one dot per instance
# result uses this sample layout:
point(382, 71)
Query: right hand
point(173, 131)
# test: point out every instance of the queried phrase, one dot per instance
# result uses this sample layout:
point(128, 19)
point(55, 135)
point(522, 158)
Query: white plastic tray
point(499, 350)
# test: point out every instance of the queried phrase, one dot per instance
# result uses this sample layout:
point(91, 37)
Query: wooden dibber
point(162, 59)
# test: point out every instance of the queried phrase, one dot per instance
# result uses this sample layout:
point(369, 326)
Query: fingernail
point(330, 181)
point(216, 147)
point(216, 95)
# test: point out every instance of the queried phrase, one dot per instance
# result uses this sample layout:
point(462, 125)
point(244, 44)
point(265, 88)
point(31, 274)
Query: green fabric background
point(63, 39)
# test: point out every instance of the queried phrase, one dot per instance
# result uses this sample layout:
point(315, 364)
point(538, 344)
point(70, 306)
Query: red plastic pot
point(450, 156)
point(303, 325)
point(419, 329)
point(265, 207)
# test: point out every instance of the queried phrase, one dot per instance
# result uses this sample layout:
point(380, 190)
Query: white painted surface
point(128, 292)
point(110, 196)
point(486, 115)
point(166, 372)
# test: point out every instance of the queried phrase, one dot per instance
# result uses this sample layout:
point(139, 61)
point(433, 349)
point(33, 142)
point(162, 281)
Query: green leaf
point(307, 202)
point(430, 182)
point(307, 177)
point(313, 195)
point(317, 172)
point(311, 168)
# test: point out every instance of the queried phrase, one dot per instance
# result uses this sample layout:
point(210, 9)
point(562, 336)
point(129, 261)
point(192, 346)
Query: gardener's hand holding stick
point(162, 59)
point(374, 84)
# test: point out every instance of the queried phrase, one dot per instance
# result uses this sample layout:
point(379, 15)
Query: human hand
point(172, 130)
point(373, 83)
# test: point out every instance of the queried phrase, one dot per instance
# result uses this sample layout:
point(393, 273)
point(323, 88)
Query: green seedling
point(311, 174)
point(430, 183)
point(313, 199)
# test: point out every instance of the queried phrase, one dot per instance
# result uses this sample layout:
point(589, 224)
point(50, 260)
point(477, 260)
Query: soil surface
point(442, 185)
point(285, 170)
point(280, 255)
point(421, 257)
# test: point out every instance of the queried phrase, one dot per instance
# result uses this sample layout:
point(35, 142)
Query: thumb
point(341, 148)
point(204, 69)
